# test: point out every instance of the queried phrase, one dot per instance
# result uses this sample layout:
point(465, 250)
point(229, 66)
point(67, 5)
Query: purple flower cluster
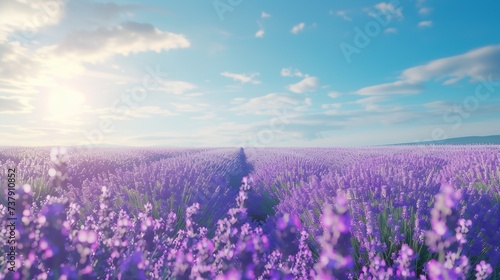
point(390, 194)
point(367, 213)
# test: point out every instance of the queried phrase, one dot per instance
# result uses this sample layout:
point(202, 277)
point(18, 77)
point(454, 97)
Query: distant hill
point(469, 140)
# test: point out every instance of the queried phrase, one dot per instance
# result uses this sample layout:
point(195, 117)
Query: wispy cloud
point(334, 94)
point(260, 33)
point(477, 64)
point(148, 112)
point(390, 30)
point(308, 84)
point(272, 104)
point(398, 87)
point(424, 11)
point(388, 8)
point(242, 78)
point(425, 23)
point(291, 72)
point(142, 112)
point(370, 100)
point(14, 105)
point(102, 43)
point(176, 87)
point(208, 116)
point(331, 106)
point(238, 100)
point(343, 14)
point(190, 107)
point(438, 106)
point(298, 28)
point(25, 16)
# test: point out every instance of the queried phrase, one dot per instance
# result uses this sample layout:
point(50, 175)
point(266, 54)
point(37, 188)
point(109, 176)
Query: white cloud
point(238, 100)
point(271, 104)
point(148, 112)
point(290, 72)
point(216, 48)
point(18, 67)
point(370, 104)
point(425, 23)
point(176, 87)
point(100, 11)
point(390, 30)
point(370, 100)
point(260, 33)
point(424, 11)
point(195, 94)
point(242, 78)
point(387, 8)
point(343, 14)
point(398, 87)
point(28, 16)
point(190, 107)
point(143, 112)
point(298, 28)
point(334, 94)
point(331, 106)
point(385, 109)
point(14, 105)
point(286, 72)
point(124, 39)
point(478, 64)
point(308, 84)
point(438, 106)
point(207, 116)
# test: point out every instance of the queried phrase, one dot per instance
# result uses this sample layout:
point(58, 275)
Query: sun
point(65, 104)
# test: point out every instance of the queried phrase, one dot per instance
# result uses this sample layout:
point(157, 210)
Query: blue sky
point(247, 73)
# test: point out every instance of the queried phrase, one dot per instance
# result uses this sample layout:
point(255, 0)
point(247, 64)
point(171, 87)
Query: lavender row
point(384, 213)
point(115, 245)
point(390, 193)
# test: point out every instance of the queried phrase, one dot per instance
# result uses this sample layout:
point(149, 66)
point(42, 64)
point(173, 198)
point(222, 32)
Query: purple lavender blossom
point(367, 213)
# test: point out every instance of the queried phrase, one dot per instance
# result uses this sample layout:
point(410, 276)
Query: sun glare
point(64, 104)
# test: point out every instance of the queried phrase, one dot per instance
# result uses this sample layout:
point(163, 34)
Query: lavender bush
point(367, 213)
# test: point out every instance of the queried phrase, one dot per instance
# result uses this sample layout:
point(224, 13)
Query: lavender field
point(420, 212)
